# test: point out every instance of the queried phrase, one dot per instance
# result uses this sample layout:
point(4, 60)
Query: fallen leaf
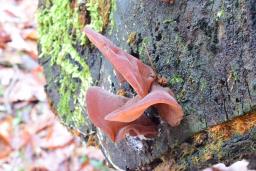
point(5, 129)
point(56, 138)
point(4, 38)
point(30, 34)
point(26, 86)
point(5, 136)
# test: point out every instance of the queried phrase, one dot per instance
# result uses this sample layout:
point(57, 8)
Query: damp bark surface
point(207, 52)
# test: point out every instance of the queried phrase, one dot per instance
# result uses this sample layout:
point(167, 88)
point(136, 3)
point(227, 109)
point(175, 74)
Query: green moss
point(234, 75)
point(197, 156)
point(113, 9)
point(96, 19)
point(169, 21)
point(59, 27)
point(176, 79)
point(203, 85)
point(212, 149)
point(220, 14)
point(101, 11)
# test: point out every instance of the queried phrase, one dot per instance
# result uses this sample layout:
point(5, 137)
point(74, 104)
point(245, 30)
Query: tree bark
point(207, 52)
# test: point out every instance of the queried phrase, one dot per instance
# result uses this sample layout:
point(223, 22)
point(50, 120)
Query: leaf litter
point(31, 136)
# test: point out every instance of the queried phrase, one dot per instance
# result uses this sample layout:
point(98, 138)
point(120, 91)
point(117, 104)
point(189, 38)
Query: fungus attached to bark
point(98, 107)
point(160, 97)
point(130, 69)
point(118, 115)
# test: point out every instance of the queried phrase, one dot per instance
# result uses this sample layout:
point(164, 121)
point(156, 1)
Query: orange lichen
point(244, 123)
point(220, 131)
point(239, 125)
point(200, 138)
point(208, 144)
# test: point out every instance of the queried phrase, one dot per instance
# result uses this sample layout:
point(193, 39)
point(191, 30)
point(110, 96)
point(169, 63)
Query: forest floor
point(31, 136)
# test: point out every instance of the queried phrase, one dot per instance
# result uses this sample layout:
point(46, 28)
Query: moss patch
point(176, 79)
point(60, 30)
point(101, 11)
point(60, 24)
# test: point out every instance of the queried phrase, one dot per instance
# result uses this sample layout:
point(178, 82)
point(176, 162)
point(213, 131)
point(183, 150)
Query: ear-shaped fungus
point(160, 97)
point(100, 103)
point(137, 74)
point(117, 115)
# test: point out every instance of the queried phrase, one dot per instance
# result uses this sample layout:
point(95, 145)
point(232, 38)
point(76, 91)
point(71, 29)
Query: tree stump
point(205, 49)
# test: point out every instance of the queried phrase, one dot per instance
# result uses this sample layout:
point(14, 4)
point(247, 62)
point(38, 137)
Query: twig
point(149, 58)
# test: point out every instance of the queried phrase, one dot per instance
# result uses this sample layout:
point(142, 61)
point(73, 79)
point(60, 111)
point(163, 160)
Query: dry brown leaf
point(4, 38)
point(6, 129)
point(25, 86)
point(5, 150)
point(94, 153)
point(37, 142)
point(56, 138)
point(21, 137)
point(5, 136)
point(38, 168)
point(30, 34)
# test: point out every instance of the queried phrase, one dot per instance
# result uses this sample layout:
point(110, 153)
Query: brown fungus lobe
point(98, 107)
point(128, 68)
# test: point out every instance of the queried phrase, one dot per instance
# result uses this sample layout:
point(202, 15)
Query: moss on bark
point(60, 30)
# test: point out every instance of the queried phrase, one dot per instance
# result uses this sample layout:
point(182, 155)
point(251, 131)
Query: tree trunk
point(205, 49)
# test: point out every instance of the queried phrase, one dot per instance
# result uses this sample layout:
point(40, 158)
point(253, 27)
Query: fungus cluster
point(118, 116)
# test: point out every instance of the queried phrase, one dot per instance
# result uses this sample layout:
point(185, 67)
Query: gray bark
point(207, 51)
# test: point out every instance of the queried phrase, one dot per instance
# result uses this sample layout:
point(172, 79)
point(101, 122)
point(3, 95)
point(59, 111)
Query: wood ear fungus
point(118, 116)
